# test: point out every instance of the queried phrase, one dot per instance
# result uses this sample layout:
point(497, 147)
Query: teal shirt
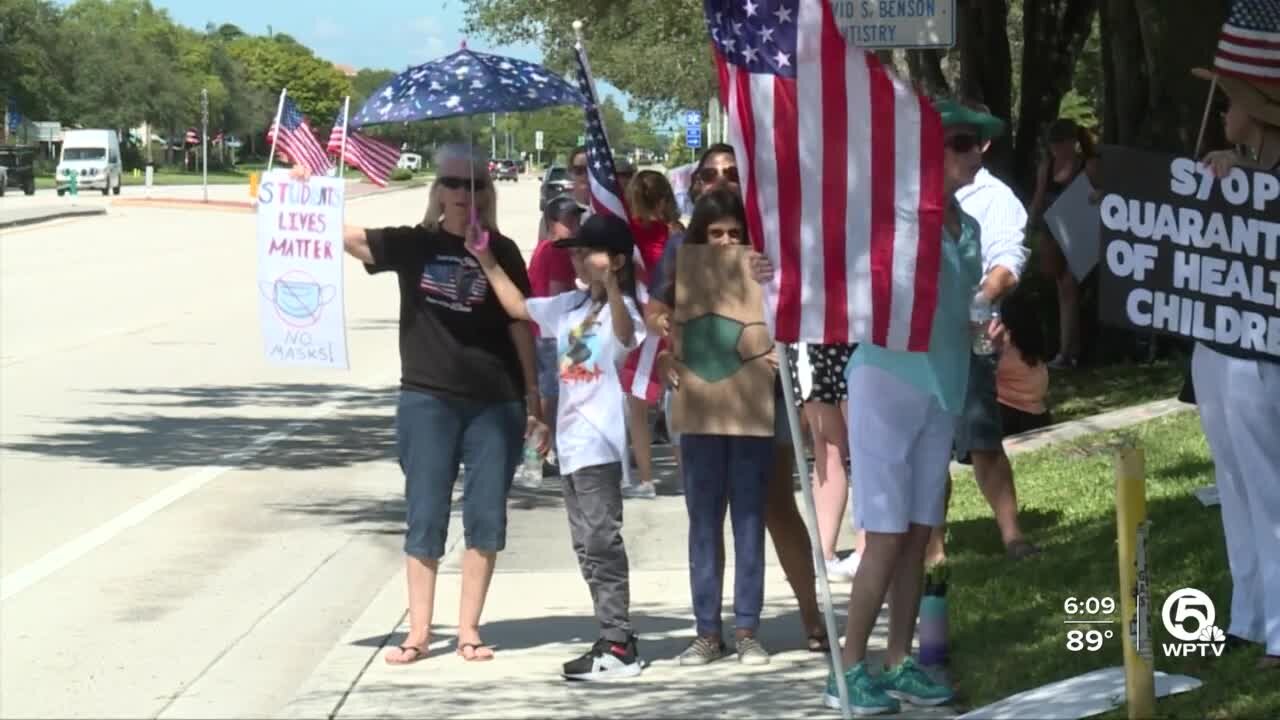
point(943, 370)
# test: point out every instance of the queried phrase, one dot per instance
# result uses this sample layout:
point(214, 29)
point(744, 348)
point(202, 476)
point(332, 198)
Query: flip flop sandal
point(418, 654)
point(818, 643)
point(475, 649)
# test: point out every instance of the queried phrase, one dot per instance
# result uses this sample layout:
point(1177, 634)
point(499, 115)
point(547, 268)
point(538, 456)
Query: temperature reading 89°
point(1087, 640)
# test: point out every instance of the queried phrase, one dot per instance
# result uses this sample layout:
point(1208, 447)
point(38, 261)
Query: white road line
point(30, 574)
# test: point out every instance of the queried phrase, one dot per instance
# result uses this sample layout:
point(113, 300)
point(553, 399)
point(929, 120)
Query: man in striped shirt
point(979, 435)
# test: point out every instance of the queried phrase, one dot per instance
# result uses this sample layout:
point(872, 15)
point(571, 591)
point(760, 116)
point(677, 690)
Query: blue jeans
point(722, 472)
point(434, 434)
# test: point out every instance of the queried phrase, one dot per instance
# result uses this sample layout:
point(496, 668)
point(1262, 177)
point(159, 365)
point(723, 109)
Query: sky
point(391, 34)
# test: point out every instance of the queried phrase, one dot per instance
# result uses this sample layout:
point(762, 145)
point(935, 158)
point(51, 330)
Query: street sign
point(582, 139)
point(537, 140)
point(692, 128)
point(15, 118)
point(897, 23)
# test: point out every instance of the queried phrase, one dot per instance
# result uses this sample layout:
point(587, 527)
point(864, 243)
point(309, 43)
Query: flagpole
point(577, 33)
point(810, 508)
point(346, 125)
point(275, 129)
point(1204, 122)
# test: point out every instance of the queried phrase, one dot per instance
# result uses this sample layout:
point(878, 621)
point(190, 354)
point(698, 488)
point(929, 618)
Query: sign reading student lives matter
point(1188, 254)
point(300, 271)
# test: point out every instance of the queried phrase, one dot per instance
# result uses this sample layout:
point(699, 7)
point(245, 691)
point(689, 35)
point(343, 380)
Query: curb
point(58, 214)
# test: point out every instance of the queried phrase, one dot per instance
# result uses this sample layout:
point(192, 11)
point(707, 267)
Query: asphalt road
point(184, 529)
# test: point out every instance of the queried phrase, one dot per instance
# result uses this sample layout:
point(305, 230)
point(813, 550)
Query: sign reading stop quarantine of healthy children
point(1188, 254)
point(300, 271)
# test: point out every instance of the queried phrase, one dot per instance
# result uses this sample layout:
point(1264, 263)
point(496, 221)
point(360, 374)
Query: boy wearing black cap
point(594, 329)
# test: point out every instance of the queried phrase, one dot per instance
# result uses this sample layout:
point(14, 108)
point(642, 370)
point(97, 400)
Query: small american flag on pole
point(193, 136)
point(376, 159)
point(845, 198)
point(294, 139)
point(1249, 46)
point(639, 373)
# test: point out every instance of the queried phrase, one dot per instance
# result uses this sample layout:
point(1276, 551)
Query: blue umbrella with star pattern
point(466, 83)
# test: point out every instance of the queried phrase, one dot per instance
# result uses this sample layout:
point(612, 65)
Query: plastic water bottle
point(529, 474)
point(980, 316)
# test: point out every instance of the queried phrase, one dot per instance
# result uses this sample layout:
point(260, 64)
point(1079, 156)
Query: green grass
point(1074, 394)
point(1007, 631)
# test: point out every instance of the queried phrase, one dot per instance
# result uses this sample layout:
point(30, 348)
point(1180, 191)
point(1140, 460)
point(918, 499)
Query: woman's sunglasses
point(460, 183)
point(963, 143)
point(709, 175)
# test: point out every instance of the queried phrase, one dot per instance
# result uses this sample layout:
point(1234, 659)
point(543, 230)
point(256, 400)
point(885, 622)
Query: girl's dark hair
point(1018, 313)
point(713, 207)
point(695, 185)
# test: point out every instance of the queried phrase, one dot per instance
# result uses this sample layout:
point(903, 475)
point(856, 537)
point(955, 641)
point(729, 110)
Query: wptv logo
point(1188, 616)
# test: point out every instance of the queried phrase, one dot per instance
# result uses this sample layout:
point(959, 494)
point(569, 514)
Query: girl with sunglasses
point(717, 169)
point(467, 390)
point(723, 472)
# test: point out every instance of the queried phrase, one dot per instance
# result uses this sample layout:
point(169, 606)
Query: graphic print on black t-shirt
point(457, 283)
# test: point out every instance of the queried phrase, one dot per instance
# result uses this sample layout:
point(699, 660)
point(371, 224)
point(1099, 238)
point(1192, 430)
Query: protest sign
point(1073, 222)
point(1188, 254)
point(300, 303)
point(722, 345)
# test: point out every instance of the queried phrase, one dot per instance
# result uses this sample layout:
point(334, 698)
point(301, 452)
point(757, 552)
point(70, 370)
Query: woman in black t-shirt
point(467, 389)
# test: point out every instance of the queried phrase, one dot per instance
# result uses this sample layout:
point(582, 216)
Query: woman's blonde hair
point(650, 197)
point(486, 200)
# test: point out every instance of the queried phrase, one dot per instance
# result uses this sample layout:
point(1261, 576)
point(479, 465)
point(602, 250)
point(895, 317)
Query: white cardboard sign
point(300, 256)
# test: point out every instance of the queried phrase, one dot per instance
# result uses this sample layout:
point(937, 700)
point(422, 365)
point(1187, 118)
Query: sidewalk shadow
point(360, 429)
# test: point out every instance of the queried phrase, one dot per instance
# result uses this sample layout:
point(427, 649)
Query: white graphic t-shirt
point(591, 421)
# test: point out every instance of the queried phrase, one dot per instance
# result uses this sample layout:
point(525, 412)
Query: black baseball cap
point(603, 232)
point(561, 207)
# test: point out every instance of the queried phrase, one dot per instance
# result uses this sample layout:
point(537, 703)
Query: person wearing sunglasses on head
point(468, 392)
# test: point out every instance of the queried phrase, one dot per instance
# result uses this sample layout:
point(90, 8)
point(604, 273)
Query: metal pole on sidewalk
point(204, 138)
point(1135, 593)
point(810, 509)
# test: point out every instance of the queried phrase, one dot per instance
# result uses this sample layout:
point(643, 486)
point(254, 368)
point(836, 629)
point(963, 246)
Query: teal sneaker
point(910, 683)
point(866, 697)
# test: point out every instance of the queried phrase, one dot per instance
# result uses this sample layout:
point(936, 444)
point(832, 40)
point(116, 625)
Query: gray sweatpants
point(593, 498)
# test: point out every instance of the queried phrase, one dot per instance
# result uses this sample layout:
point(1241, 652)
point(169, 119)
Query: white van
point(410, 161)
point(94, 157)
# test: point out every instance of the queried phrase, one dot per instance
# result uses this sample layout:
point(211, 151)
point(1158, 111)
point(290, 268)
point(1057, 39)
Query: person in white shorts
point(902, 419)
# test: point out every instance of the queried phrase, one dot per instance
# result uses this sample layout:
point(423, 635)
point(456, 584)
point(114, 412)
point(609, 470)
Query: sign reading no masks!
point(1188, 254)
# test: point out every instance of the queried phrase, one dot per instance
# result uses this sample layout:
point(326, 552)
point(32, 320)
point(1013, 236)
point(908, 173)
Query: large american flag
point(845, 198)
point(294, 138)
point(374, 158)
point(639, 372)
point(1249, 46)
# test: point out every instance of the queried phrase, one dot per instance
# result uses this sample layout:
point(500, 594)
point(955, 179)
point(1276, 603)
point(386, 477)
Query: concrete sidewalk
point(539, 615)
point(17, 217)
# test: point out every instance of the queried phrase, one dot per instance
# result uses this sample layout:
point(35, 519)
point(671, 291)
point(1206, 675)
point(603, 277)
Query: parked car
point(410, 161)
point(17, 168)
point(94, 157)
point(555, 182)
point(507, 170)
point(521, 167)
